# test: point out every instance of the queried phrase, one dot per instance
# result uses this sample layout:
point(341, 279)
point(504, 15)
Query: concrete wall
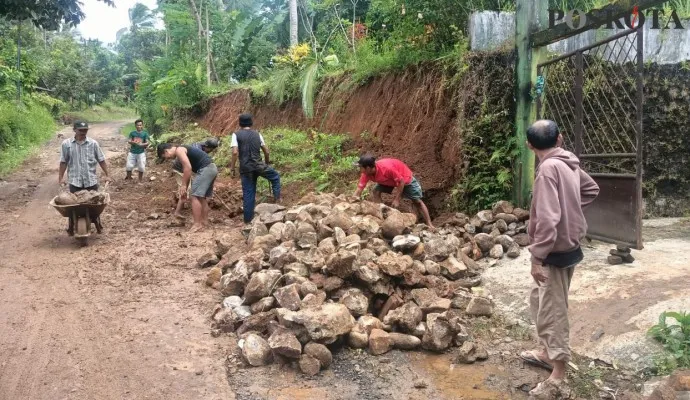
point(490, 30)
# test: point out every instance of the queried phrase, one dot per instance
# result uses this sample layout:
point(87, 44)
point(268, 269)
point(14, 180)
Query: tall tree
point(140, 16)
point(293, 23)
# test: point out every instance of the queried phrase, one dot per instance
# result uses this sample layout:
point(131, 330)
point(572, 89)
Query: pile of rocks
point(620, 255)
point(331, 271)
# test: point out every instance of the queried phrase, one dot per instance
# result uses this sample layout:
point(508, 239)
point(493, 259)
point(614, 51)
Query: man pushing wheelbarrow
point(79, 157)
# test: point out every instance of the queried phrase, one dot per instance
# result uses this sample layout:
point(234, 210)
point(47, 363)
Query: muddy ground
point(127, 317)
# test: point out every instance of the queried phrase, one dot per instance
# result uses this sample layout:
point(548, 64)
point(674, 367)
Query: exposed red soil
point(410, 116)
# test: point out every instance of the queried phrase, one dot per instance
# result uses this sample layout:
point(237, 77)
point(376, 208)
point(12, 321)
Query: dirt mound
point(410, 116)
point(337, 270)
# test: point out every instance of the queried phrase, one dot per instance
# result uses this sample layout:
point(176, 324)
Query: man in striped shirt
point(79, 157)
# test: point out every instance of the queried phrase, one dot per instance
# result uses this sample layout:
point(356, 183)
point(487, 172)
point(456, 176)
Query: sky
point(102, 21)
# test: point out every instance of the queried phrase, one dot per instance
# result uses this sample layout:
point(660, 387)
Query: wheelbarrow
point(82, 216)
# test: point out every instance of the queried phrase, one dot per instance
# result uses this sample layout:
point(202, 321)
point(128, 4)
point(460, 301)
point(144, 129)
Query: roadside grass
point(102, 113)
point(22, 131)
point(126, 129)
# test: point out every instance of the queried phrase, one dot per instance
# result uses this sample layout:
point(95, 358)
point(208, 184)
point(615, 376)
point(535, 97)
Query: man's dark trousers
point(249, 189)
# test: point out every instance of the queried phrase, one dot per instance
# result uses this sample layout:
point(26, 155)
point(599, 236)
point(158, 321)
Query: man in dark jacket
point(557, 225)
point(247, 145)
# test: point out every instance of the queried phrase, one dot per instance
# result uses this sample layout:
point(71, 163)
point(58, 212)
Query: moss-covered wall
point(667, 140)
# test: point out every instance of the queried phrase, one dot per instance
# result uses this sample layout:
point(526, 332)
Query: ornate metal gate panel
point(595, 95)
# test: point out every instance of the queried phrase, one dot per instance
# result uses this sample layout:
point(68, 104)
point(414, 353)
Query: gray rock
point(324, 323)
point(260, 285)
point(257, 229)
point(380, 342)
point(505, 241)
point(281, 255)
point(438, 249)
point(378, 246)
point(522, 215)
point(338, 220)
point(372, 209)
point(232, 302)
point(438, 335)
point(271, 219)
point(308, 287)
point(285, 344)
point(522, 239)
point(339, 235)
point(265, 242)
point(404, 342)
point(466, 353)
point(341, 264)
point(407, 317)
point(507, 218)
point(265, 304)
point(432, 268)
point(393, 225)
point(289, 231)
point(368, 273)
point(480, 306)
point(296, 268)
point(288, 297)
point(486, 216)
point(312, 300)
point(420, 329)
point(513, 251)
point(355, 301)
point(332, 283)
point(428, 301)
point(419, 267)
point(307, 240)
point(268, 208)
point(502, 207)
point(357, 339)
point(366, 323)
point(501, 226)
point(614, 260)
point(365, 255)
point(256, 350)
point(327, 246)
point(484, 241)
point(207, 260)
point(309, 365)
point(453, 269)
point(471, 229)
point(405, 242)
point(394, 264)
point(277, 230)
point(496, 252)
point(320, 352)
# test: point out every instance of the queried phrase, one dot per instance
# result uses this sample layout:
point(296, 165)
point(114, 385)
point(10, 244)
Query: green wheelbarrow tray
point(80, 211)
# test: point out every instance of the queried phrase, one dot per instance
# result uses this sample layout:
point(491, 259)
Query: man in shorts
point(394, 177)
point(208, 146)
point(198, 162)
point(139, 141)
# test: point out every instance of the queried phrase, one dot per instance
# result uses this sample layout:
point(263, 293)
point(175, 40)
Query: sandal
point(531, 358)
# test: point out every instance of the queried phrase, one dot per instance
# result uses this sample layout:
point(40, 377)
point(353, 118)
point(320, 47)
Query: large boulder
point(484, 241)
point(405, 242)
point(256, 350)
point(453, 269)
point(338, 219)
point(393, 225)
point(407, 317)
point(438, 249)
point(371, 209)
point(260, 285)
point(355, 301)
point(284, 343)
point(324, 323)
point(394, 264)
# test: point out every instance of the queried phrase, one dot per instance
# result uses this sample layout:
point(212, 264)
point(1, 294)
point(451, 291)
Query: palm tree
point(141, 16)
point(293, 23)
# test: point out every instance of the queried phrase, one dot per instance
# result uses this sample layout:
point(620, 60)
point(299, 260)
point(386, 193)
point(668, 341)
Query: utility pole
point(530, 16)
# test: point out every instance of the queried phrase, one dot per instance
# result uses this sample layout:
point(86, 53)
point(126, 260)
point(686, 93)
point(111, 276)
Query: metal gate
point(595, 95)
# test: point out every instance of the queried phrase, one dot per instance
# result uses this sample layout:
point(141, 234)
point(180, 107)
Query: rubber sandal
point(530, 358)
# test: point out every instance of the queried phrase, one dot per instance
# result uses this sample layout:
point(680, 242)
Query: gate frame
point(578, 133)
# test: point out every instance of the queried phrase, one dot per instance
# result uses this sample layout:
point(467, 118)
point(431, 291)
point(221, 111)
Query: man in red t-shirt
point(394, 177)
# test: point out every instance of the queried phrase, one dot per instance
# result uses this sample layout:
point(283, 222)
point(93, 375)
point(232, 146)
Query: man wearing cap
point(247, 145)
point(198, 162)
point(207, 146)
point(394, 177)
point(79, 157)
point(139, 141)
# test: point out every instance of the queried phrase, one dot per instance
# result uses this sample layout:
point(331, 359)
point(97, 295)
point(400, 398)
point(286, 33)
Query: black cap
point(366, 160)
point(246, 120)
point(80, 125)
point(212, 143)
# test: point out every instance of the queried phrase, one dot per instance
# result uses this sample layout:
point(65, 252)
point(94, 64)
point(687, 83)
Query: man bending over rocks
point(394, 177)
point(195, 161)
point(556, 226)
point(207, 146)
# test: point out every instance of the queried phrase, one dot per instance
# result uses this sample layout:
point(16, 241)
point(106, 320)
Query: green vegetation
point(22, 130)
point(103, 112)
point(675, 337)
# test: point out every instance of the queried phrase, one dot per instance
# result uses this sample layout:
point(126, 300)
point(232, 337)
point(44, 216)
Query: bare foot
point(196, 228)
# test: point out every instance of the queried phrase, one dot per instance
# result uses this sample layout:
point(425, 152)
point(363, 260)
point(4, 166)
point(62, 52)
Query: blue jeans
point(249, 189)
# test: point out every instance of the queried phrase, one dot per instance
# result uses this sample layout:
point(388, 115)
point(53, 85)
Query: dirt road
point(98, 322)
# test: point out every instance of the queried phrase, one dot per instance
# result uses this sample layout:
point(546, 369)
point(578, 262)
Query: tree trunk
point(200, 26)
point(208, 51)
point(293, 23)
